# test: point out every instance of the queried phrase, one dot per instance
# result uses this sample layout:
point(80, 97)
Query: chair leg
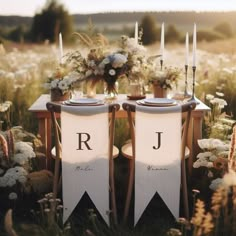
point(56, 177)
point(113, 195)
point(129, 190)
point(185, 190)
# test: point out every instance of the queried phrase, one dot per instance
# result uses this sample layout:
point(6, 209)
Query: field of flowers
point(23, 71)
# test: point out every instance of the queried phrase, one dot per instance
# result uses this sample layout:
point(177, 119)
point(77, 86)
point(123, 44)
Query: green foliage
point(209, 36)
point(224, 28)
point(17, 34)
point(52, 20)
point(172, 34)
point(150, 31)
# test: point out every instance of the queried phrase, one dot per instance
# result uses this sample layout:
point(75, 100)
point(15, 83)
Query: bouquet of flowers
point(62, 80)
point(112, 68)
point(100, 65)
point(164, 78)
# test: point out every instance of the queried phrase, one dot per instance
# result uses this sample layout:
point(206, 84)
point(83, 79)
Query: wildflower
point(12, 196)
point(229, 179)
point(207, 224)
point(54, 83)
point(112, 72)
point(118, 60)
point(199, 214)
point(219, 94)
point(216, 183)
point(209, 97)
point(62, 85)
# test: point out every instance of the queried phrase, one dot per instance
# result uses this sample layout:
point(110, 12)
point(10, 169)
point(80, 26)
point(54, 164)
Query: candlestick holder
point(186, 94)
point(193, 98)
point(161, 62)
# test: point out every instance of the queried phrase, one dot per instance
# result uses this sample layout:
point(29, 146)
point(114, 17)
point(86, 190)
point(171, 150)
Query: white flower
point(54, 83)
point(105, 61)
point(63, 85)
point(209, 97)
point(101, 66)
point(112, 72)
point(20, 158)
point(209, 164)
point(196, 164)
point(229, 179)
point(10, 75)
point(213, 158)
point(210, 174)
point(11, 181)
point(209, 144)
point(219, 94)
point(12, 196)
point(223, 147)
point(168, 81)
point(3, 183)
point(221, 102)
point(199, 163)
point(25, 149)
point(216, 183)
point(22, 179)
point(118, 60)
point(227, 70)
point(204, 154)
point(91, 63)
point(13, 175)
point(88, 73)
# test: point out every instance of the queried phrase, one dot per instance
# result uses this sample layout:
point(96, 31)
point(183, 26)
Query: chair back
point(55, 110)
point(186, 110)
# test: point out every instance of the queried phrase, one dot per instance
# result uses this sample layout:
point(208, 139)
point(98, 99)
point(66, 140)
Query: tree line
point(54, 18)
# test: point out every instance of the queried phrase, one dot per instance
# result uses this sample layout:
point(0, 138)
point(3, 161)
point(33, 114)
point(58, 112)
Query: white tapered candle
point(194, 44)
point(186, 49)
point(136, 33)
point(60, 48)
point(162, 41)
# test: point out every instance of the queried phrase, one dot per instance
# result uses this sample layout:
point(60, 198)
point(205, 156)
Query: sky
point(30, 7)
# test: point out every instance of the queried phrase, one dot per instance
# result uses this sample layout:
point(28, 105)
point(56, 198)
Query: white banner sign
point(157, 163)
point(85, 168)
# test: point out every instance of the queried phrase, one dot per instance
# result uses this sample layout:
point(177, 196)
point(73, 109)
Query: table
point(44, 124)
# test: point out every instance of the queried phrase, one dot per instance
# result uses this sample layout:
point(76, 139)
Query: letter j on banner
point(157, 157)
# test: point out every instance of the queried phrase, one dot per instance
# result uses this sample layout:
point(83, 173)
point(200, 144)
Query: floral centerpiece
point(162, 80)
point(101, 65)
point(138, 67)
point(61, 82)
point(112, 68)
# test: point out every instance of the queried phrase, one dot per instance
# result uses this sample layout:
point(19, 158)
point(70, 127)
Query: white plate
point(84, 101)
point(155, 101)
point(143, 103)
point(83, 104)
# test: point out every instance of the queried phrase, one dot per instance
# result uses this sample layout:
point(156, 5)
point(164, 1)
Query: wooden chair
point(55, 110)
point(128, 151)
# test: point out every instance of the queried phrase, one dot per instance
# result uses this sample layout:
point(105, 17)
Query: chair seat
point(53, 152)
point(115, 152)
point(126, 151)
